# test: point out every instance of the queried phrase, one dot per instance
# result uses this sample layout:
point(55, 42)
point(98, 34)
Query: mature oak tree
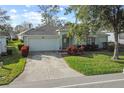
point(48, 13)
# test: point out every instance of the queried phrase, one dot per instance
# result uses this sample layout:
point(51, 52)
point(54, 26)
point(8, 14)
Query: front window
point(91, 41)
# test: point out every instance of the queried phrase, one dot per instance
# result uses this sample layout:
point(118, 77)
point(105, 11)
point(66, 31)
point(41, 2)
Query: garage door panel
point(43, 44)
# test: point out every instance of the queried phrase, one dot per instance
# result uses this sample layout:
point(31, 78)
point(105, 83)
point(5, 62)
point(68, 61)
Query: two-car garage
point(42, 43)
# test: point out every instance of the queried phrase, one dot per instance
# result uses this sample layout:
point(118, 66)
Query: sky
point(29, 13)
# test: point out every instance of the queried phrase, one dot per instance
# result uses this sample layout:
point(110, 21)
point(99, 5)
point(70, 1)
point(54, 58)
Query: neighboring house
point(23, 27)
point(120, 38)
point(49, 38)
point(5, 33)
point(3, 44)
point(19, 28)
point(27, 26)
point(9, 34)
point(13, 35)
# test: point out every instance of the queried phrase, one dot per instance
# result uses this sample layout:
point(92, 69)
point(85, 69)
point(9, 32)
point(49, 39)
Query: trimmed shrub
point(25, 51)
point(111, 46)
point(9, 51)
point(20, 46)
point(94, 47)
point(72, 50)
point(22, 41)
point(90, 47)
point(105, 45)
point(87, 48)
point(81, 49)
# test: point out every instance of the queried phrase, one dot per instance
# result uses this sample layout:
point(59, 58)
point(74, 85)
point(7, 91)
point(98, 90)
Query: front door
point(65, 41)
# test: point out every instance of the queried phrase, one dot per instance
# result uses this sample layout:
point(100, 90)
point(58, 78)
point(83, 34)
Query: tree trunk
point(116, 50)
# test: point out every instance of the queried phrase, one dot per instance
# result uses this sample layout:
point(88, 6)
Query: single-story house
point(5, 33)
point(49, 38)
point(112, 39)
point(3, 44)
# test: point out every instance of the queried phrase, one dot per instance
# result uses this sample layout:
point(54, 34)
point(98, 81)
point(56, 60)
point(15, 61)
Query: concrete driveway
point(45, 66)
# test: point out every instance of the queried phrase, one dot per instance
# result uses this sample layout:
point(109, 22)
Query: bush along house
point(51, 38)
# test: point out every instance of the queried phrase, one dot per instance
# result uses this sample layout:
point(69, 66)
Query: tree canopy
point(99, 18)
point(3, 19)
point(49, 15)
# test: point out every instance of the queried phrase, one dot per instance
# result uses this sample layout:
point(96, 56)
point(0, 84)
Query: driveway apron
point(45, 66)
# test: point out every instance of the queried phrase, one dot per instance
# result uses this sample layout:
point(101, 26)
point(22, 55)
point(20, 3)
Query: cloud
point(13, 11)
point(13, 17)
point(33, 17)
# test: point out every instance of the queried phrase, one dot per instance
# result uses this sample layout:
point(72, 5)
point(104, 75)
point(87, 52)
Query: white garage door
point(38, 44)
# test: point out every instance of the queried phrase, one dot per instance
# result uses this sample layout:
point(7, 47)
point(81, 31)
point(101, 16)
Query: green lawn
point(13, 64)
point(94, 63)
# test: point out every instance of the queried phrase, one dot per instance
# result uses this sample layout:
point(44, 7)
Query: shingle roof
point(43, 30)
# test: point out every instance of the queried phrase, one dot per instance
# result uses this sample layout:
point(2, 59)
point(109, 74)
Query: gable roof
point(43, 30)
point(21, 33)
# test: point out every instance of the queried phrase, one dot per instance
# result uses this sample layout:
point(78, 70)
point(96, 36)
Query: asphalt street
point(97, 81)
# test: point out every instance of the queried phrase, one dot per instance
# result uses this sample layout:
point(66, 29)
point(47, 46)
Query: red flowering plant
point(25, 51)
point(72, 50)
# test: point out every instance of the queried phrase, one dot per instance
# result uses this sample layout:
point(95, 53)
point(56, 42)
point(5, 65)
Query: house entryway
point(45, 66)
point(66, 41)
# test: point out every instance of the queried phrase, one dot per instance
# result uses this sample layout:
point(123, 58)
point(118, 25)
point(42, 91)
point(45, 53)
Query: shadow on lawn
point(11, 59)
point(90, 54)
point(6, 68)
point(121, 58)
point(120, 61)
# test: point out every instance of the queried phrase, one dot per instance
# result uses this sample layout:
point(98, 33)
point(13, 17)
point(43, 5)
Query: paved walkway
point(45, 66)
